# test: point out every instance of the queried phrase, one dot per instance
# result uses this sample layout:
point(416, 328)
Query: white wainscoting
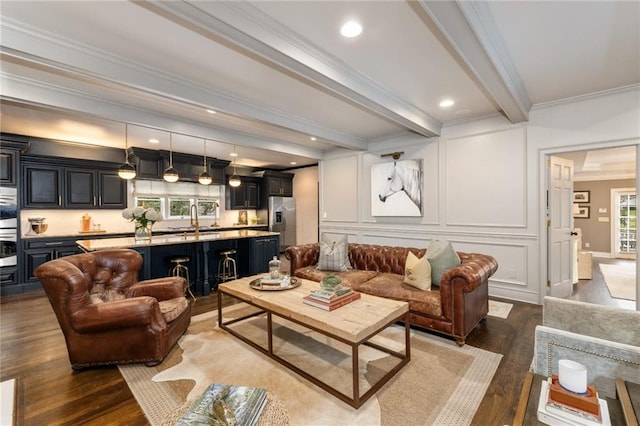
point(340, 191)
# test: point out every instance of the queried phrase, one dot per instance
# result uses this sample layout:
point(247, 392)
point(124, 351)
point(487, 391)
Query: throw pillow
point(332, 257)
point(442, 257)
point(341, 240)
point(417, 272)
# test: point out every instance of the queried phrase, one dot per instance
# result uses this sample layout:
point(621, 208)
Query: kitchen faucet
point(195, 224)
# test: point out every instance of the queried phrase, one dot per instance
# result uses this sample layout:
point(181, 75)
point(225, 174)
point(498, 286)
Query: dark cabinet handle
point(573, 233)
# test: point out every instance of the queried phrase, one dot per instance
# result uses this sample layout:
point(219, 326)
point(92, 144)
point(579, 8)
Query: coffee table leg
point(269, 333)
point(355, 363)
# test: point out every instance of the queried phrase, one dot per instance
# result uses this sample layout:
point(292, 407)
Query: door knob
point(573, 233)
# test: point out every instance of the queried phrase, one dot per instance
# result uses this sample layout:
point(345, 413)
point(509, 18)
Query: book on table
point(557, 414)
point(330, 305)
point(330, 295)
point(240, 404)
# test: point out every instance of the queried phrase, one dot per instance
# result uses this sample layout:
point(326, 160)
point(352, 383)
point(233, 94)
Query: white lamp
point(126, 171)
point(234, 180)
point(205, 178)
point(170, 174)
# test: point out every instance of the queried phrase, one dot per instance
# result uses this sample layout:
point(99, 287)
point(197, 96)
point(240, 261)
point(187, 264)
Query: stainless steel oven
point(8, 226)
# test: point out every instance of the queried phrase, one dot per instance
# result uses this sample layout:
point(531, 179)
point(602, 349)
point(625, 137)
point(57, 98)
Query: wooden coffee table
point(353, 324)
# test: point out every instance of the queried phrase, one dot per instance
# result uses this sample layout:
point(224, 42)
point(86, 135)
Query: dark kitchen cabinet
point(10, 147)
point(50, 186)
point(263, 249)
point(278, 184)
point(147, 162)
point(41, 250)
point(245, 196)
point(189, 167)
point(42, 186)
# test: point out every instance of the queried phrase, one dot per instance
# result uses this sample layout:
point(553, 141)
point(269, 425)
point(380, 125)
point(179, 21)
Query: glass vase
point(143, 233)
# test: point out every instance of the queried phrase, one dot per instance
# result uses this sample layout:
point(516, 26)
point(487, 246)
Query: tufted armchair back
point(106, 315)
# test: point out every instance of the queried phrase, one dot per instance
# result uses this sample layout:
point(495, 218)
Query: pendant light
point(234, 180)
point(170, 174)
point(205, 178)
point(126, 171)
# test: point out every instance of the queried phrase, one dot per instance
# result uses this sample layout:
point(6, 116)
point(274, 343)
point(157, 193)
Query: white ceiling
point(278, 72)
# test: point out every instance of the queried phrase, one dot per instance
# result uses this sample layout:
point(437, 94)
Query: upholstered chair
point(107, 315)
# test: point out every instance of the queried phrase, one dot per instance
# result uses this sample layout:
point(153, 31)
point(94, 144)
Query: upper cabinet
point(278, 184)
point(50, 185)
point(10, 147)
point(190, 166)
point(245, 196)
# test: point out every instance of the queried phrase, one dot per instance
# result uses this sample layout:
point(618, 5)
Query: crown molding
point(246, 27)
point(40, 49)
point(586, 97)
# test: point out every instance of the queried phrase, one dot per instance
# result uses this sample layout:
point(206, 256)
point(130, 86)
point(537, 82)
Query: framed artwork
point(582, 212)
point(581, 196)
point(396, 188)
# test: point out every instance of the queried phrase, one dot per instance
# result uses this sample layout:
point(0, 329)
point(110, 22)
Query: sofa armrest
point(605, 360)
point(124, 313)
point(474, 269)
point(159, 288)
point(302, 256)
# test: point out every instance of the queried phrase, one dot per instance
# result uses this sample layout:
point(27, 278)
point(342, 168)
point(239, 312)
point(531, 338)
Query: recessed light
point(153, 140)
point(351, 29)
point(293, 163)
point(233, 154)
point(210, 111)
point(313, 138)
point(446, 103)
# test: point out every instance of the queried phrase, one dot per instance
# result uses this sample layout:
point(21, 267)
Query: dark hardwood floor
point(32, 350)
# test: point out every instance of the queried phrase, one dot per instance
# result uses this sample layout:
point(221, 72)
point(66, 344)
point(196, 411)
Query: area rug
point(499, 309)
point(620, 279)
point(442, 384)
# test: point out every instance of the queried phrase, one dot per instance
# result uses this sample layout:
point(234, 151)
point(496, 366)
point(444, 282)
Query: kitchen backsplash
point(69, 222)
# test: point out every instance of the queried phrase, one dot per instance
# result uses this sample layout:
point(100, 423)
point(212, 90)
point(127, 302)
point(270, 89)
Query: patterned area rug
point(443, 383)
point(620, 280)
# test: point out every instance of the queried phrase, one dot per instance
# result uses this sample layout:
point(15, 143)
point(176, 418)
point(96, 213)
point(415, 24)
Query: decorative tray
point(258, 285)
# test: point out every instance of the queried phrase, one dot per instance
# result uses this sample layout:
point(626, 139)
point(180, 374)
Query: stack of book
point(331, 299)
point(560, 407)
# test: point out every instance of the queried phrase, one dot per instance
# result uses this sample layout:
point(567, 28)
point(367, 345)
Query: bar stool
point(181, 270)
point(227, 270)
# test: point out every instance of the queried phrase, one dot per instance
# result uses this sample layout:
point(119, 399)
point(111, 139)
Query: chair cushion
point(172, 308)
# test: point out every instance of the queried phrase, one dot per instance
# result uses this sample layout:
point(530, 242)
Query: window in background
point(179, 207)
point(147, 202)
point(208, 208)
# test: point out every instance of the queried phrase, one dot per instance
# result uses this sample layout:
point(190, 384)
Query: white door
point(623, 223)
point(560, 255)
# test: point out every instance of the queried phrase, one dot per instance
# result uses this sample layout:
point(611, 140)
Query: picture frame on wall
point(581, 196)
point(582, 212)
point(396, 188)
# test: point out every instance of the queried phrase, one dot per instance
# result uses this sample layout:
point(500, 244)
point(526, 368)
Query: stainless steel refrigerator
point(281, 217)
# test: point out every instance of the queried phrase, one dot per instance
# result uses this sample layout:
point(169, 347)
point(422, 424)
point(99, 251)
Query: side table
point(621, 410)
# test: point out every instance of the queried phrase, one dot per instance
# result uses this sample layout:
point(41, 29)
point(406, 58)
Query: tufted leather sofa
point(455, 308)
point(106, 315)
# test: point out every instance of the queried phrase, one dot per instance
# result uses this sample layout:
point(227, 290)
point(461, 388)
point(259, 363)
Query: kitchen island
point(254, 250)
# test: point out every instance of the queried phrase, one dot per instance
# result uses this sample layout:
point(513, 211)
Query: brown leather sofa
point(107, 315)
point(454, 308)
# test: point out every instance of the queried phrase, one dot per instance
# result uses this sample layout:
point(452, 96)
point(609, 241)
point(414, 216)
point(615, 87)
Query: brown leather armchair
point(107, 315)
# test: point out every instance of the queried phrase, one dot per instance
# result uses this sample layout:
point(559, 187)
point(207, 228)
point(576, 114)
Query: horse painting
point(398, 184)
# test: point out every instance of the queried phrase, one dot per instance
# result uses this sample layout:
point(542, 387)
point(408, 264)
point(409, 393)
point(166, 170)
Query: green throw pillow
point(442, 257)
point(332, 257)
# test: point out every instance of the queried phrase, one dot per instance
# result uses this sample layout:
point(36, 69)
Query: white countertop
point(163, 240)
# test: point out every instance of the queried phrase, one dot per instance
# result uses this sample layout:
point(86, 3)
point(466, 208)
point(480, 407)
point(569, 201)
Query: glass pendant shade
point(234, 180)
point(205, 178)
point(170, 174)
point(126, 171)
